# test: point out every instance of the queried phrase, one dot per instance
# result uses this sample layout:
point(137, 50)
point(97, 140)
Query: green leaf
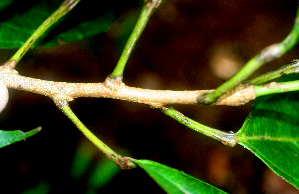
point(81, 30)
point(175, 181)
point(9, 137)
point(5, 3)
point(271, 132)
point(83, 158)
point(41, 188)
point(103, 173)
point(19, 20)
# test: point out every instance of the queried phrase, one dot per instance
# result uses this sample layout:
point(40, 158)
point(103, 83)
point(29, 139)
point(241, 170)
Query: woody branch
point(114, 88)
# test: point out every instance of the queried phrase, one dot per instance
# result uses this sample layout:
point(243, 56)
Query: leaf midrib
point(268, 138)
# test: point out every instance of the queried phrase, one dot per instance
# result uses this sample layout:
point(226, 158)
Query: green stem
point(144, 16)
point(223, 137)
point(288, 69)
point(274, 88)
point(61, 11)
point(268, 54)
point(122, 162)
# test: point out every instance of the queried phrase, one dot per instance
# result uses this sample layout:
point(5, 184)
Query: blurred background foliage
point(187, 45)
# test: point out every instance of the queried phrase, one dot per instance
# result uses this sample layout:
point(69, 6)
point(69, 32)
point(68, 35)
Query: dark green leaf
point(175, 181)
point(271, 132)
point(83, 158)
point(19, 20)
point(104, 172)
point(5, 3)
point(81, 30)
point(41, 188)
point(9, 137)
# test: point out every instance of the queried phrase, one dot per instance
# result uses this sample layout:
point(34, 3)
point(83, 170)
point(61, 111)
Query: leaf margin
point(15, 136)
point(147, 165)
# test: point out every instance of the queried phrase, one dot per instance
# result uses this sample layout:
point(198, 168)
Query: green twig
point(66, 6)
point(268, 54)
point(144, 16)
point(122, 162)
point(274, 88)
point(223, 137)
point(290, 68)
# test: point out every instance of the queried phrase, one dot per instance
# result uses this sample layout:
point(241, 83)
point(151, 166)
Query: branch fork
point(231, 93)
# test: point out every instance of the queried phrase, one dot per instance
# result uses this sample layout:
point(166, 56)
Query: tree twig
point(288, 69)
point(267, 54)
point(116, 89)
point(223, 137)
point(65, 7)
point(122, 162)
point(143, 19)
point(274, 88)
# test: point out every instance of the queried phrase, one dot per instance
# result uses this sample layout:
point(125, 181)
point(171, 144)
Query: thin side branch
point(122, 162)
point(143, 19)
point(227, 138)
point(275, 88)
point(66, 6)
point(267, 54)
point(288, 69)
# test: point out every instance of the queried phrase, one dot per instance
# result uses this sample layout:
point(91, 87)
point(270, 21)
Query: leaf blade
point(22, 21)
point(10, 137)
point(271, 132)
point(175, 181)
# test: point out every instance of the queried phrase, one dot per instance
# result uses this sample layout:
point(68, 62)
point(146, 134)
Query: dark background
point(187, 45)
